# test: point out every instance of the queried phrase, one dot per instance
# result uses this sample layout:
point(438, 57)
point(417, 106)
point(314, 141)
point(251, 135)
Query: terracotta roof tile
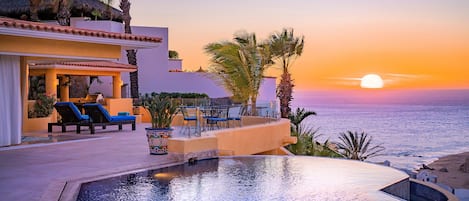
point(37, 26)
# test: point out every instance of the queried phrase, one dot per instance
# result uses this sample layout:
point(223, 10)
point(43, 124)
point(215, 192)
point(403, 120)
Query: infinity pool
point(252, 178)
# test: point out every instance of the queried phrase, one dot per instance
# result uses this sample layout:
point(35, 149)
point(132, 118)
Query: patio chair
point(217, 115)
point(188, 118)
point(70, 115)
point(101, 117)
point(235, 113)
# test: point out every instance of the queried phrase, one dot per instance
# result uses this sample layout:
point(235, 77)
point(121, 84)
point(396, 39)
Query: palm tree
point(63, 12)
point(240, 66)
point(33, 7)
point(305, 135)
point(357, 146)
point(298, 117)
point(131, 54)
point(108, 11)
point(286, 48)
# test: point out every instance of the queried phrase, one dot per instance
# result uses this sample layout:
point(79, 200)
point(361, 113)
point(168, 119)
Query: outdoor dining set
point(206, 118)
point(211, 117)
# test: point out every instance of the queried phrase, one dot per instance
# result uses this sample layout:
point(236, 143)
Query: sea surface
point(412, 134)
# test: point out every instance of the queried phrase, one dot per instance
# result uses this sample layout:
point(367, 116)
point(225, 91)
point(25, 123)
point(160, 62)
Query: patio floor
point(39, 171)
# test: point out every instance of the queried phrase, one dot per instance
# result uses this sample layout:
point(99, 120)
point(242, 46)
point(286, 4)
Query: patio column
point(51, 82)
point(64, 88)
point(116, 86)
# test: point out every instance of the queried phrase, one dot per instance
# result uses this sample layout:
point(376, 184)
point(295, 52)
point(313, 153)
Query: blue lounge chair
point(101, 117)
point(70, 115)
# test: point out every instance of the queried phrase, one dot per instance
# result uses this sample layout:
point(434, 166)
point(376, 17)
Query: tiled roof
point(37, 26)
point(90, 64)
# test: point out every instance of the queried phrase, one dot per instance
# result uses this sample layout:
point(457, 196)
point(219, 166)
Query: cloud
point(393, 78)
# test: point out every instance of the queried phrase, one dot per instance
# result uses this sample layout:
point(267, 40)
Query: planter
point(158, 140)
point(36, 124)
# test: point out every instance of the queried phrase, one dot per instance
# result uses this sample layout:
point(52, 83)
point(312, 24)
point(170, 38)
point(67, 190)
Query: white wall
point(105, 25)
point(175, 64)
point(106, 86)
point(154, 65)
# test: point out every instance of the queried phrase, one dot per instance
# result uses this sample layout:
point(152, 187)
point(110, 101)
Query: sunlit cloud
point(396, 78)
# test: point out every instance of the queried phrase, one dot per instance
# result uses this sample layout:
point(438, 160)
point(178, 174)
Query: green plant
point(96, 14)
point(286, 47)
point(298, 117)
point(307, 143)
point(172, 54)
point(357, 146)
point(162, 111)
point(240, 66)
point(43, 106)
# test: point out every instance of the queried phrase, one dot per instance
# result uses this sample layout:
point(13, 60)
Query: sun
point(372, 81)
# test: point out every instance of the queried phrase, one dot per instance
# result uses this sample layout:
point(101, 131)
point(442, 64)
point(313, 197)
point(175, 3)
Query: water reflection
point(245, 178)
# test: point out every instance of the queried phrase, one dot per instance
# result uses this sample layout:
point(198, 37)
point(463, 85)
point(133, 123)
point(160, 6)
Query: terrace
point(71, 157)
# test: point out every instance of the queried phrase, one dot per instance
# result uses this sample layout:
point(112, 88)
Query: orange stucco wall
point(254, 139)
point(26, 45)
point(267, 137)
point(114, 106)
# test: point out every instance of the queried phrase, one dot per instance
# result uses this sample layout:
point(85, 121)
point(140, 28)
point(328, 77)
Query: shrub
point(43, 106)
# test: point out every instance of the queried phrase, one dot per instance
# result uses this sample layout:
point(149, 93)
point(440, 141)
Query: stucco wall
point(260, 136)
point(175, 64)
point(153, 68)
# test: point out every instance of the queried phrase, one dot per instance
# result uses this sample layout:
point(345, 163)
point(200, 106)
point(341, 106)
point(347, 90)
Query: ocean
point(412, 134)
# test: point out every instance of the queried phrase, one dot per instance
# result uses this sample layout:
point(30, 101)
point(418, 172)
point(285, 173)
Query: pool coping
point(69, 190)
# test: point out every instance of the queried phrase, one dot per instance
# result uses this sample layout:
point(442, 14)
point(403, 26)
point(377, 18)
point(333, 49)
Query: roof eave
point(125, 44)
point(83, 68)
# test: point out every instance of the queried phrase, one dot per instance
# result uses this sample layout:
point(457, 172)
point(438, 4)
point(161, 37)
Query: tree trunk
point(33, 6)
point(132, 57)
point(131, 54)
point(284, 93)
point(63, 13)
point(254, 105)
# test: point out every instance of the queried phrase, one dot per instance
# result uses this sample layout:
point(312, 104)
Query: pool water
point(251, 178)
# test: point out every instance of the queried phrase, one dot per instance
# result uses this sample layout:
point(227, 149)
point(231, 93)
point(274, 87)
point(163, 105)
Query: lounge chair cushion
point(74, 109)
point(106, 114)
point(123, 118)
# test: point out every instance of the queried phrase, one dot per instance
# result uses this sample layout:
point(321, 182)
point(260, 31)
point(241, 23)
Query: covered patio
point(26, 45)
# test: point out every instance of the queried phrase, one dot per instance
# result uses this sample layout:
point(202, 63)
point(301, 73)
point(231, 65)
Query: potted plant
point(162, 112)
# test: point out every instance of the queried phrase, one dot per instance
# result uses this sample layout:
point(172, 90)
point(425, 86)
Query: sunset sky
point(412, 44)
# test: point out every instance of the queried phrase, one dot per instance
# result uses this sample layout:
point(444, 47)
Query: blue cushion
point(123, 114)
point(106, 114)
point(74, 108)
point(101, 109)
point(84, 117)
point(217, 119)
point(123, 118)
point(190, 118)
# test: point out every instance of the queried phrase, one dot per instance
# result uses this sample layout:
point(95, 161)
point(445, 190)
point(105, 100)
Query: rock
point(465, 166)
point(425, 167)
point(443, 169)
point(387, 163)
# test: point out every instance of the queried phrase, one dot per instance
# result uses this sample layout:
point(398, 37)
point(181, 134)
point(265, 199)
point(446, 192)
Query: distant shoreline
point(454, 177)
